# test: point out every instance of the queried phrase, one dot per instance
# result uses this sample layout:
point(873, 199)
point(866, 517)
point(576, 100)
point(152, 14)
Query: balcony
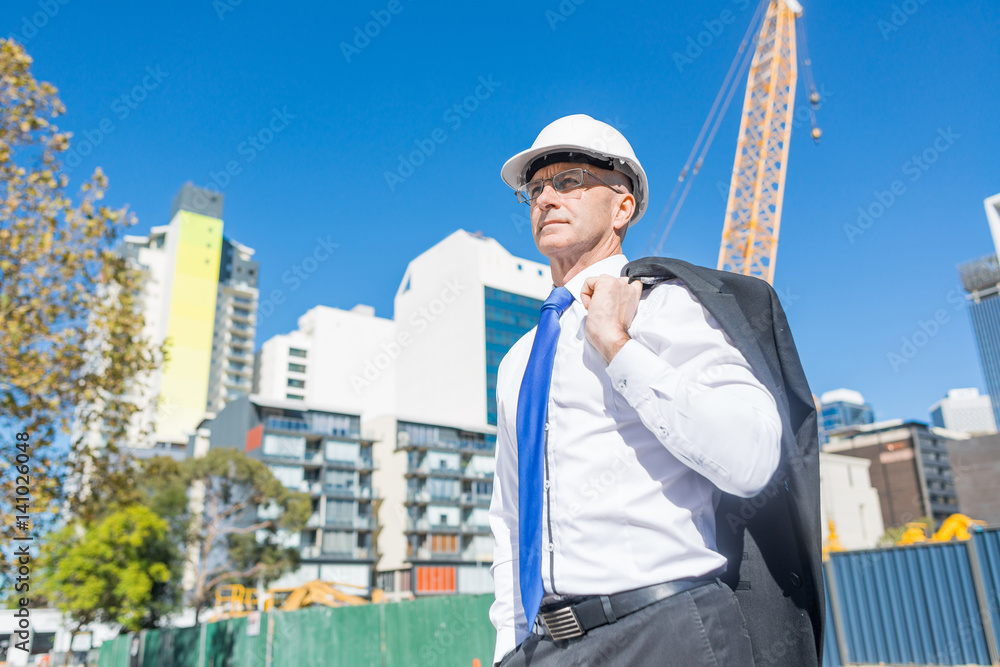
point(311, 551)
point(444, 528)
point(476, 528)
point(420, 497)
point(417, 525)
point(477, 475)
point(360, 493)
point(423, 497)
point(425, 470)
point(363, 464)
point(358, 553)
point(347, 523)
point(462, 446)
point(475, 500)
point(313, 488)
point(313, 521)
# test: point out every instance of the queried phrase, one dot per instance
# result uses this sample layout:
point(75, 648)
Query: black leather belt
point(575, 619)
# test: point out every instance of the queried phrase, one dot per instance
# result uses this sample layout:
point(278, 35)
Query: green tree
point(72, 353)
point(232, 521)
point(116, 570)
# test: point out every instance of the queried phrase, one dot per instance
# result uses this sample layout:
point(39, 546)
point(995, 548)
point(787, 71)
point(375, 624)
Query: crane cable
point(813, 95)
point(739, 65)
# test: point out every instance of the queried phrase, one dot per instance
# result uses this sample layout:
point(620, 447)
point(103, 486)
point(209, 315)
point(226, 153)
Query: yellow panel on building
point(191, 321)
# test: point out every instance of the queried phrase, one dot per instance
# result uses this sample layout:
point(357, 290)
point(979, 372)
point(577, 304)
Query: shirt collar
point(611, 266)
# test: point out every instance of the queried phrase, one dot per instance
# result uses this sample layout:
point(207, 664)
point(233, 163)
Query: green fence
point(431, 632)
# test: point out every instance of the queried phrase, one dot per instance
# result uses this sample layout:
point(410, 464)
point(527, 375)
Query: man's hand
point(611, 304)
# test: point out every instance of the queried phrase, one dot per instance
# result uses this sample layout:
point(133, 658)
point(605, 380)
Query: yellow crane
point(753, 213)
point(753, 210)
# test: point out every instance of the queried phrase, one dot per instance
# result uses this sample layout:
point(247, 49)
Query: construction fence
point(930, 604)
point(924, 604)
point(439, 632)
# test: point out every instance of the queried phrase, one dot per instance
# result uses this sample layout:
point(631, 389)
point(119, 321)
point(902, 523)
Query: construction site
point(327, 492)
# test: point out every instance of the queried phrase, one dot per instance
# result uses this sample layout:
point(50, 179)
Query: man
point(622, 419)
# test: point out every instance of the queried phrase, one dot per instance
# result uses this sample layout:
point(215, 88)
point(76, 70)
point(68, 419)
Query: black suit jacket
point(773, 541)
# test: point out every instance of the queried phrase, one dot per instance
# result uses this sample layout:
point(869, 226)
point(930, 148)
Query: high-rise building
point(197, 288)
point(964, 410)
point(231, 373)
point(840, 408)
point(910, 467)
point(981, 279)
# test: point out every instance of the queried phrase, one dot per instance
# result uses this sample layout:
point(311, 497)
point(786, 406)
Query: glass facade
point(508, 317)
point(985, 314)
point(840, 414)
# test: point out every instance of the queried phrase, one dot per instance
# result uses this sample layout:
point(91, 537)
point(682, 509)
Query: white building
point(848, 498)
point(336, 357)
point(964, 410)
point(424, 386)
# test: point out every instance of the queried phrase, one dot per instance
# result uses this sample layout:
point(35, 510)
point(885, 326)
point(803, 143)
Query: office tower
point(840, 408)
point(981, 279)
point(964, 410)
point(910, 467)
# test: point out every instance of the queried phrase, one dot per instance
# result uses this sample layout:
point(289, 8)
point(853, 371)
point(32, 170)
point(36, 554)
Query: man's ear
point(623, 213)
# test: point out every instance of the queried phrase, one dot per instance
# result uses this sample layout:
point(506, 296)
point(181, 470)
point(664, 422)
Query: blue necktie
point(532, 409)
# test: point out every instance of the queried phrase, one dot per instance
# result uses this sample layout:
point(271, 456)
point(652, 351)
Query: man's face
point(571, 223)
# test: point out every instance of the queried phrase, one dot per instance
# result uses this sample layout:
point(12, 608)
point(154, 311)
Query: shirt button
point(621, 385)
point(547, 484)
point(546, 426)
point(551, 547)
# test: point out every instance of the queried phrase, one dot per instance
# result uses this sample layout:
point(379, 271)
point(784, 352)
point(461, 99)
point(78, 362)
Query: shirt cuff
point(636, 369)
point(506, 642)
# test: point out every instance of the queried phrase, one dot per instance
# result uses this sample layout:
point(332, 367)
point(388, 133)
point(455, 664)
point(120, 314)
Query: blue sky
point(162, 93)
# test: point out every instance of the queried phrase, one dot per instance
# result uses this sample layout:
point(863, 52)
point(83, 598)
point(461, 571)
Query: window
point(289, 446)
point(339, 511)
point(341, 479)
point(444, 543)
point(295, 352)
point(296, 368)
point(337, 541)
point(294, 397)
point(342, 452)
point(297, 384)
point(289, 476)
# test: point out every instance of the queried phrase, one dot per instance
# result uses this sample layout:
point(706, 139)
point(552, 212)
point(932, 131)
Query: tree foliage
point(235, 522)
point(117, 570)
point(72, 350)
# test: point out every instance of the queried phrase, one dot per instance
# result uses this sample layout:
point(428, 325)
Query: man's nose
point(548, 197)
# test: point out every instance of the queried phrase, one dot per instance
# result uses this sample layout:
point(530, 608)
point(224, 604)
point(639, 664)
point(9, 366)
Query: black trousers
point(702, 626)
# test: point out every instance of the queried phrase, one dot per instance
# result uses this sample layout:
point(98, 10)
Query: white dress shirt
point(637, 452)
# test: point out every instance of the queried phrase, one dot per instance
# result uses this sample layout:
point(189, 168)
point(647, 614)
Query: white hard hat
point(582, 135)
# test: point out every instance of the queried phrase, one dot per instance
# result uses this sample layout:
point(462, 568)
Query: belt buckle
point(562, 623)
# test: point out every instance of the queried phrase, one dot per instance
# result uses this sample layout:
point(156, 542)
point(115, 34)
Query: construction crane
point(753, 211)
point(753, 214)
